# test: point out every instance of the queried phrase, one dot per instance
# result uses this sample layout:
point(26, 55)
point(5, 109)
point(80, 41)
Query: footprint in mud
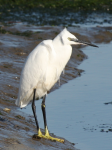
point(2, 119)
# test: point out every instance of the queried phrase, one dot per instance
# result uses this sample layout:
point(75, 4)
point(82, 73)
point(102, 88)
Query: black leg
point(34, 111)
point(44, 111)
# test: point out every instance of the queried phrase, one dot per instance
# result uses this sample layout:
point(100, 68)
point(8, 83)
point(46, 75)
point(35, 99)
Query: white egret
point(42, 69)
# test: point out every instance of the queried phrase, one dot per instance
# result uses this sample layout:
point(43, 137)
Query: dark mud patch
point(108, 103)
point(99, 128)
point(53, 17)
point(13, 52)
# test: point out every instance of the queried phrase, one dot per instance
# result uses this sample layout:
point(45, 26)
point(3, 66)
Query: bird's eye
point(69, 38)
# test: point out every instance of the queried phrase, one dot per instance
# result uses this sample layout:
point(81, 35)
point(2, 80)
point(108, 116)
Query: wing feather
point(34, 73)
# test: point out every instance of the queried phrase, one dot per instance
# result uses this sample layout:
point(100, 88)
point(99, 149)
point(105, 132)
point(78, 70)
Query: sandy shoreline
point(16, 128)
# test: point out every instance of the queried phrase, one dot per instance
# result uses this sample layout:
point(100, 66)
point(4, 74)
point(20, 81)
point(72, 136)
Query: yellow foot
point(52, 138)
point(38, 136)
point(46, 136)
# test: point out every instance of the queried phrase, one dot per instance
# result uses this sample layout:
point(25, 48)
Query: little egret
point(42, 69)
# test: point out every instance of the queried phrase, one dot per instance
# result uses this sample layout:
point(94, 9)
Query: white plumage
point(44, 65)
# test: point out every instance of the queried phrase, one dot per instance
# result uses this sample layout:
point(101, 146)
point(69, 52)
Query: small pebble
point(7, 110)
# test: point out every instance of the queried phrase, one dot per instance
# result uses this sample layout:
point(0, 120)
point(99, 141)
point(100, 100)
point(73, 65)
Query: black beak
point(90, 44)
point(82, 42)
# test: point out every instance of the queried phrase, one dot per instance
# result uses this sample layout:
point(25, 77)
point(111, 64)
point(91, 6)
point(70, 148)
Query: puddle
point(10, 41)
point(22, 26)
point(77, 110)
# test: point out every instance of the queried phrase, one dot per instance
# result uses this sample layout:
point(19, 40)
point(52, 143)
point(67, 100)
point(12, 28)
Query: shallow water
point(76, 111)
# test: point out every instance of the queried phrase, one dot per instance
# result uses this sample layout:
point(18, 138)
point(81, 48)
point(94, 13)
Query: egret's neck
point(57, 42)
point(63, 52)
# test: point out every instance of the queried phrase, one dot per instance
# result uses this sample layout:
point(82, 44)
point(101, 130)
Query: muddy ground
point(17, 40)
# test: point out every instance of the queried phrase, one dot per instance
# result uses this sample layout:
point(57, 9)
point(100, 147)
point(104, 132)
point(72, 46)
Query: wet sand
point(16, 42)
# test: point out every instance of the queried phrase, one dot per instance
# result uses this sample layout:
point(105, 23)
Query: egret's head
point(70, 39)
